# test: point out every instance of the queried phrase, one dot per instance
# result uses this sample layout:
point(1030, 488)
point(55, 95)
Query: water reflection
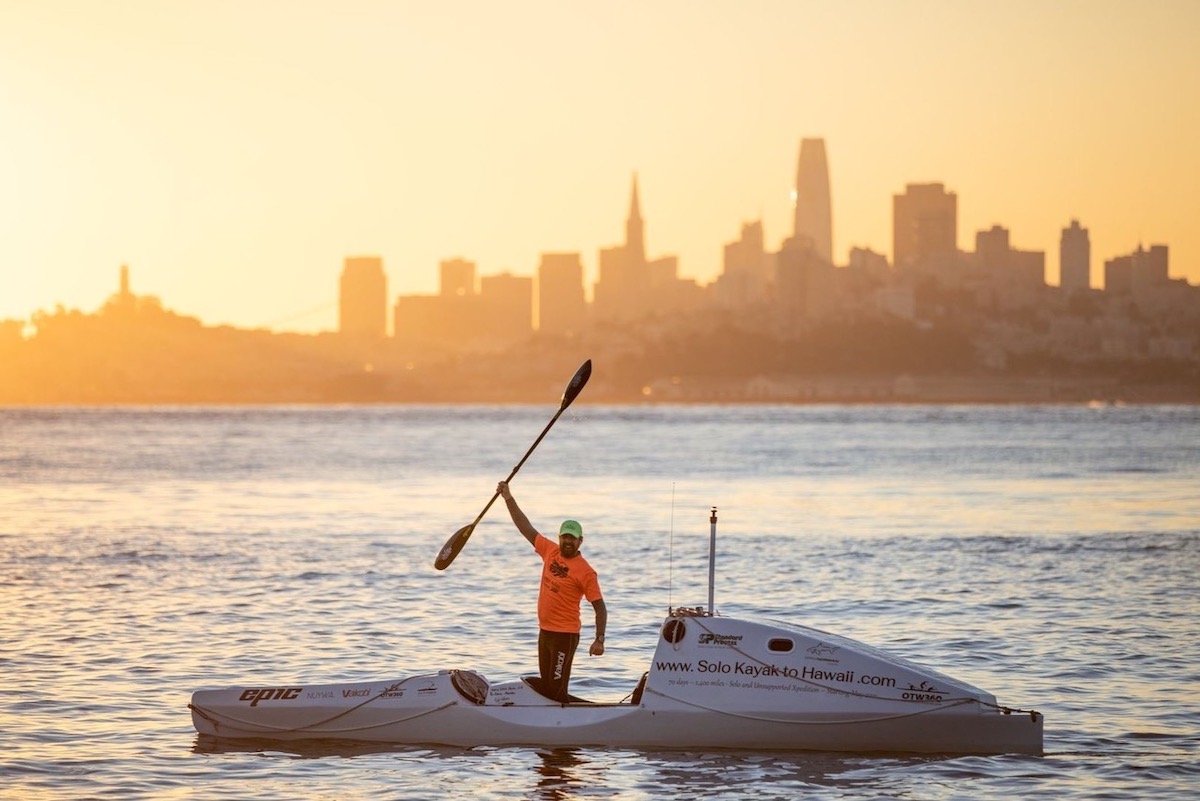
point(709, 773)
point(323, 749)
point(559, 774)
point(556, 774)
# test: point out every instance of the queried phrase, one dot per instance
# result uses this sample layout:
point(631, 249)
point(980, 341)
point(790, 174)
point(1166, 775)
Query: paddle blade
point(576, 384)
point(453, 545)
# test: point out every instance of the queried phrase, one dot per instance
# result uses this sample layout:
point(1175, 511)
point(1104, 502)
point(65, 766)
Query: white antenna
point(712, 558)
point(671, 550)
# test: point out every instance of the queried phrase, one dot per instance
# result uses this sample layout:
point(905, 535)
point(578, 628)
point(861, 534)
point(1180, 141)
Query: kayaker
point(566, 578)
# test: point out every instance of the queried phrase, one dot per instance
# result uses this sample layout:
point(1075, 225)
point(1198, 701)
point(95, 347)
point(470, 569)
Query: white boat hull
point(714, 682)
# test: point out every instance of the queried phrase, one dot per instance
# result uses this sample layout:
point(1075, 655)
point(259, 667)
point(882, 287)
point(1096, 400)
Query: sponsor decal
point(428, 687)
point(560, 659)
point(730, 640)
point(321, 694)
point(355, 693)
point(254, 695)
point(926, 692)
point(823, 652)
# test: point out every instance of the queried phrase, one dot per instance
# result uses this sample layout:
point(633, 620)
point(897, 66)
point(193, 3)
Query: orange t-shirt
point(564, 582)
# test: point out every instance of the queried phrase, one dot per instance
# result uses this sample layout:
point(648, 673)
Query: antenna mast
point(712, 557)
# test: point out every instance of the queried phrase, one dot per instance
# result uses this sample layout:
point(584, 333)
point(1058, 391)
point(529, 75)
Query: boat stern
point(804, 688)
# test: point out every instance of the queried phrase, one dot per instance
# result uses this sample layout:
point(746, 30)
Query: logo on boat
point(708, 638)
point(823, 652)
point(926, 692)
point(428, 688)
point(355, 693)
point(254, 695)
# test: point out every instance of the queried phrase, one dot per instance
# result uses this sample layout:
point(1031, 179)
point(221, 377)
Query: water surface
point(1046, 554)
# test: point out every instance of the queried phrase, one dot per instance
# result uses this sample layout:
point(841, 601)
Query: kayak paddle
point(459, 538)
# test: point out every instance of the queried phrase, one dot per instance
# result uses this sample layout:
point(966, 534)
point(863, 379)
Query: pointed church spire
point(635, 232)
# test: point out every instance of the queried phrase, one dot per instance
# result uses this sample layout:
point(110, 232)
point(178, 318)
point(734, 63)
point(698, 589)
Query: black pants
point(556, 652)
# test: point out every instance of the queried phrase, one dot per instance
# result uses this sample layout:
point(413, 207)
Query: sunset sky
point(233, 153)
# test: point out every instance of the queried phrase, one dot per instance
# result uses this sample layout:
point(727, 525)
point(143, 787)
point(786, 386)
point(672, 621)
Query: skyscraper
point(1140, 273)
point(562, 310)
point(813, 216)
point(457, 278)
point(462, 320)
point(621, 291)
point(746, 275)
point(924, 226)
point(506, 308)
point(362, 302)
point(1074, 259)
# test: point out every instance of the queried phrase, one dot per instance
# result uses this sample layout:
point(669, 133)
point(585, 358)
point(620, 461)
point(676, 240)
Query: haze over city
point(235, 153)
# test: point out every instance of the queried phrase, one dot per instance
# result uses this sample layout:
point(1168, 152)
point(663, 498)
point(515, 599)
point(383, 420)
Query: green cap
point(571, 527)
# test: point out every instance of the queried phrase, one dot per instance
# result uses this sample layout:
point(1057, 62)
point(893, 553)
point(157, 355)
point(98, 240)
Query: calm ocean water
point(1049, 555)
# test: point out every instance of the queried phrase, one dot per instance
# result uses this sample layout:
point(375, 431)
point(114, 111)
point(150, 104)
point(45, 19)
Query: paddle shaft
point(459, 538)
point(524, 458)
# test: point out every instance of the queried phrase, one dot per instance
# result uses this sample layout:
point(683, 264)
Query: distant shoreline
point(281, 404)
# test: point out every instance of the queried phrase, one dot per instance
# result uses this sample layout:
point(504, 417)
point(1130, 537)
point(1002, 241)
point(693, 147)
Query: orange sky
point(232, 153)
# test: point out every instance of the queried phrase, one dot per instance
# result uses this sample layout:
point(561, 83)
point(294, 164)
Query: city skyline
point(947, 323)
point(235, 167)
point(366, 307)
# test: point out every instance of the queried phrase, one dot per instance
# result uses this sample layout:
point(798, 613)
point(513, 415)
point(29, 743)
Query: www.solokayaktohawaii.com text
point(755, 669)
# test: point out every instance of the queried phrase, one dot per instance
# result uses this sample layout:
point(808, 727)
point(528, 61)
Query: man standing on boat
point(566, 578)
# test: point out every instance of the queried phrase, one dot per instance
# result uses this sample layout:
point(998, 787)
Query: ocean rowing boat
point(713, 682)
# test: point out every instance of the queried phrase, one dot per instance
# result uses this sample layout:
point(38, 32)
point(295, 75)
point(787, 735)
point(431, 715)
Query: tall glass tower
point(814, 218)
